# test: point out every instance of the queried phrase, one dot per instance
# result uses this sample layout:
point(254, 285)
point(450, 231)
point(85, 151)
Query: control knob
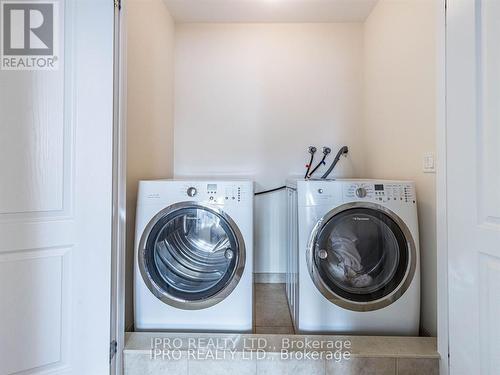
point(361, 192)
point(192, 191)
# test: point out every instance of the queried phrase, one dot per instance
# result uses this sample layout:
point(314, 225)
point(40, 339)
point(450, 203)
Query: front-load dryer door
point(191, 256)
point(361, 256)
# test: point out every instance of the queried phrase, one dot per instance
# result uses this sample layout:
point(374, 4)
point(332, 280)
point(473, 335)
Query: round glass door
point(191, 256)
point(361, 256)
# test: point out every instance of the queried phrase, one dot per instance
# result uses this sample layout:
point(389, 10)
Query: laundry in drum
point(349, 267)
point(360, 254)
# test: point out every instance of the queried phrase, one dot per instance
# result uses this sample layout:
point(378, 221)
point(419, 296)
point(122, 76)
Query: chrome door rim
point(346, 303)
point(167, 298)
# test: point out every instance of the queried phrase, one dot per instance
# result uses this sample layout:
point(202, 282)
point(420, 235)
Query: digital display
point(212, 187)
point(379, 187)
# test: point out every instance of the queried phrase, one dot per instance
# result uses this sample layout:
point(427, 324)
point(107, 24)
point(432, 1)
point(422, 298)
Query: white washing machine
point(354, 263)
point(193, 256)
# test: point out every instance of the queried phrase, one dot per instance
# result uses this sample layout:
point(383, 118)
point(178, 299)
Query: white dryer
point(193, 256)
point(354, 263)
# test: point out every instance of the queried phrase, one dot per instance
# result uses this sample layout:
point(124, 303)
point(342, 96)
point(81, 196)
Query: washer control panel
point(380, 192)
point(358, 190)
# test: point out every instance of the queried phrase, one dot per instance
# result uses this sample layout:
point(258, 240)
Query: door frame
point(119, 175)
point(118, 250)
point(441, 190)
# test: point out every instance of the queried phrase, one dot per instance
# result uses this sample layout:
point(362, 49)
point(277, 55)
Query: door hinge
point(118, 4)
point(113, 346)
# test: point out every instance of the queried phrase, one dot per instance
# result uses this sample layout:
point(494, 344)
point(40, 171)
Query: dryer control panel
point(217, 193)
point(380, 192)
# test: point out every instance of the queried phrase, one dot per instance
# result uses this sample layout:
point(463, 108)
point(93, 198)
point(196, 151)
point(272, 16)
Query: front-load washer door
point(361, 256)
point(191, 256)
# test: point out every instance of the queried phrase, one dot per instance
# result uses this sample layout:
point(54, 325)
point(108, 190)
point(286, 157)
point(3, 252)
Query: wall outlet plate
point(429, 163)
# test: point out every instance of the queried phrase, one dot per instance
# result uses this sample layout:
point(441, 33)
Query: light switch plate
point(429, 163)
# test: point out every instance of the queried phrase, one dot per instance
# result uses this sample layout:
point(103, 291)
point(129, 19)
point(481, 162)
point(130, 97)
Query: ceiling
point(270, 10)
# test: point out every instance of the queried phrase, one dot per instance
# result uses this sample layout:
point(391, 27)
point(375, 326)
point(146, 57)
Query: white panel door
point(56, 198)
point(473, 185)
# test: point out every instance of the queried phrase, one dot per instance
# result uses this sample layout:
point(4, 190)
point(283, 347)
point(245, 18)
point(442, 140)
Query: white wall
point(250, 99)
point(400, 115)
point(150, 97)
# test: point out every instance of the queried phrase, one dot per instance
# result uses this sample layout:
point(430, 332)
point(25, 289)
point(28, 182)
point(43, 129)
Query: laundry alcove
point(241, 89)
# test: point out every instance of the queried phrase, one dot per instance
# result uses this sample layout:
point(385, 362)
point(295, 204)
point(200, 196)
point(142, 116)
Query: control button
point(192, 191)
point(361, 192)
point(211, 198)
point(320, 191)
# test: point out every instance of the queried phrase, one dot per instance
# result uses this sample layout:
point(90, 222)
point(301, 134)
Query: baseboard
point(269, 278)
point(424, 333)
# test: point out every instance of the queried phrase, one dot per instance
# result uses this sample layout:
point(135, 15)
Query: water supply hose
point(326, 151)
point(343, 151)
point(312, 151)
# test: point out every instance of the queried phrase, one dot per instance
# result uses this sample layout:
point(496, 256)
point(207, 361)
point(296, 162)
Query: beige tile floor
point(369, 354)
point(271, 313)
